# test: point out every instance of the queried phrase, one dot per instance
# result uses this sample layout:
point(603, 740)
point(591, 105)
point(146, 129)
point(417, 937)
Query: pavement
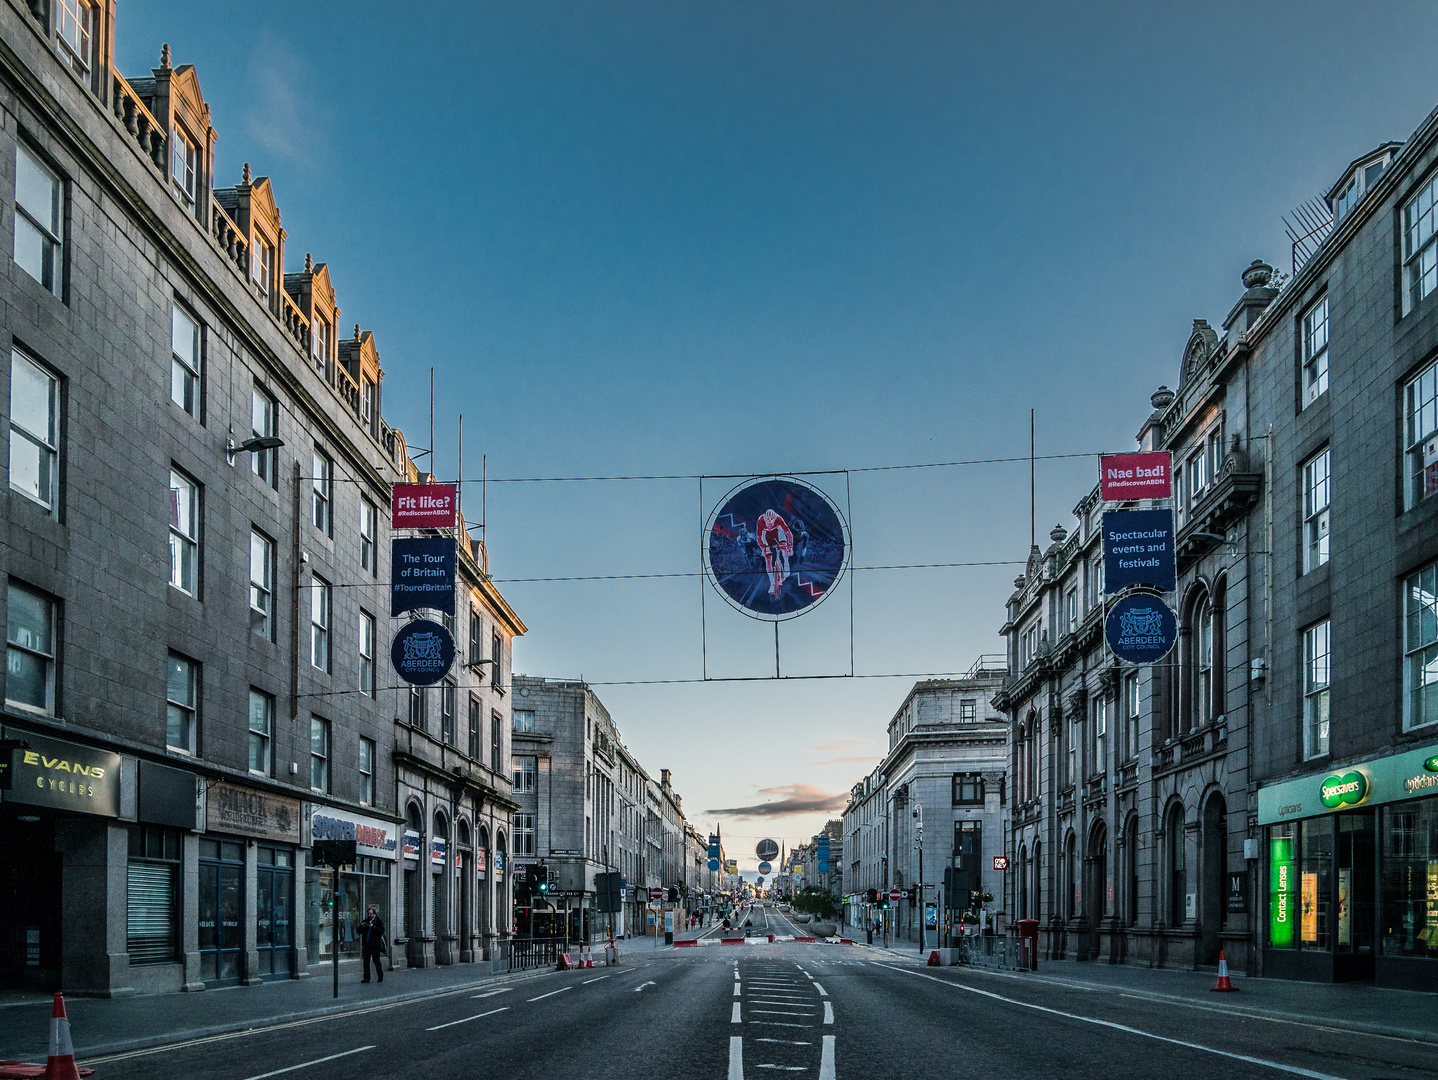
point(819, 1009)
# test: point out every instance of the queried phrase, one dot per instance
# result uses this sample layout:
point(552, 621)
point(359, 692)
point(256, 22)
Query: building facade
point(196, 554)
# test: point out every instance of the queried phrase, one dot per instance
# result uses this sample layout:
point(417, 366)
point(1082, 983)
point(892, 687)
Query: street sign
point(1138, 550)
point(1135, 476)
point(423, 506)
point(422, 574)
point(422, 653)
point(1001, 862)
point(767, 850)
point(764, 868)
point(1141, 629)
point(895, 895)
point(656, 895)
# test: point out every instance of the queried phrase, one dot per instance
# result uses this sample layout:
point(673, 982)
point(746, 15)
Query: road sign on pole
point(656, 895)
point(895, 895)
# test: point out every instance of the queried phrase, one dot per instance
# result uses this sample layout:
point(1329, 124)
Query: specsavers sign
point(64, 775)
point(1409, 775)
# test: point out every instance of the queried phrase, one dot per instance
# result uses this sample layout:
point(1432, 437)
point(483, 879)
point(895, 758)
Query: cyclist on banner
point(777, 543)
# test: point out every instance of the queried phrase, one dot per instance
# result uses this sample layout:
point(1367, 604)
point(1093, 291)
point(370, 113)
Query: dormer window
point(74, 26)
point(262, 265)
point(320, 343)
point(1359, 180)
point(182, 164)
point(367, 400)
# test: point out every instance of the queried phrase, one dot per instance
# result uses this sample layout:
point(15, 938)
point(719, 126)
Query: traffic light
point(673, 894)
point(883, 901)
point(872, 896)
point(541, 879)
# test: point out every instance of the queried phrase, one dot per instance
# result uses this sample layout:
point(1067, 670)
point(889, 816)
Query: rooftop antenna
point(1311, 224)
point(431, 424)
point(483, 497)
point(459, 487)
point(1033, 533)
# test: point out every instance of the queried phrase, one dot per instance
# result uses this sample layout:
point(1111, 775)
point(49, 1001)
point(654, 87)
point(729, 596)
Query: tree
point(816, 902)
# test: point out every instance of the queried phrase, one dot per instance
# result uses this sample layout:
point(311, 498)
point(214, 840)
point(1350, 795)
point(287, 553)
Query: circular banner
point(764, 868)
point(766, 850)
point(713, 864)
point(776, 547)
point(422, 653)
point(823, 866)
point(1141, 629)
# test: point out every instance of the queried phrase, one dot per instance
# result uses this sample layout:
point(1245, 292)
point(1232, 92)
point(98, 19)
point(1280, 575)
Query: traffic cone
point(588, 956)
point(60, 1065)
point(1224, 985)
point(934, 958)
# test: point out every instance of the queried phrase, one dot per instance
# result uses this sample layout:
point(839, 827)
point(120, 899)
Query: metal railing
point(530, 954)
point(990, 951)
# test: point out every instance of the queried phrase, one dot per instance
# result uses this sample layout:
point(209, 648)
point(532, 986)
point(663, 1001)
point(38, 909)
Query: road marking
point(785, 1042)
point(822, 991)
point(466, 1020)
point(772, 1001)
point(826, 1059)
point(736, 1058)
point(642, 985)
point(780, 1012)
point(586, 982)
point(736, 989)
point(491, 993)
point(828, 1012)
point(785, 1068)
point(307, 1064)
point(561, 990)
point(1295, 1070)
point(777, 1023)
point(734, 1017)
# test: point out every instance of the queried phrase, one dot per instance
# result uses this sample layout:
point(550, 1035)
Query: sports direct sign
point(1135, 476)
point(423, 506)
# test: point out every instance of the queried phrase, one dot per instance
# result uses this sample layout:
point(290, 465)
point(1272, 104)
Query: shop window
point(1408, 917)
point(34, 431)
point(1420, 648)
point(1315, 884)
point(152, 895)
point(29, 649)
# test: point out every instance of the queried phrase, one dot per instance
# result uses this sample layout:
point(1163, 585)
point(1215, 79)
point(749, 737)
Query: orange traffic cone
point(934, 958)
point(60, 1065)
point(1224, 985)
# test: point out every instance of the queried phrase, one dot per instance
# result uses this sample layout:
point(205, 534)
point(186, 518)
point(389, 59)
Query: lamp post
point(919, 885)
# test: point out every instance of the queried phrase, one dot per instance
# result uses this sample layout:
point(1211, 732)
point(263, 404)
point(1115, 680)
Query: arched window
point(1130, 871)
point(1023, 880)
point(1177, 871)
point(1037, 895)
point(1097, 862)
point(1070, 877)
point(1220, 648)
point(1202, 663)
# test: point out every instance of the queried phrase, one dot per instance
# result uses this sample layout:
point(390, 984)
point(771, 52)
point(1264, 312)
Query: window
point(495, 654)
point(184, 361)
point(319, 754)
point(152, 882)
point(967, 710)
point(320, 623)
point(34, 430)
point(367, 401)
point(967, 844)
point(182, 164)
point(1420, 252)
point(322, 488)
point(1202, 664)
point(446, 713)
point(262, 265)
point(1197, 477)
point(523, 720)
point(74, 26)
point(262, 726)
point(1420, 648)
point(1180, 495)
point(1315, 511)
point(474, 725)
point(1130, 694)
point(29, 649)
point(418, 708)
point(366, 771)
point(264, 424)
point(181, 703)
point(524, 834)
point(526, 775)
point(369, 529)
point(184, 533)
point(1315, 351)
point(366, 653)
point(1071, 757)
point(476, 641)
point(38, 205)
point(1316, 671)
point(320, 344)
point(496, 740)
point(1420, 437)
point(1100, 736)
point(968, 789)
point(1071, 610)
point(262, 585)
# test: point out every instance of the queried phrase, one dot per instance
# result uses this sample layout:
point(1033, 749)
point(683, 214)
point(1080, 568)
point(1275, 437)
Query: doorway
point(274, 907)
point(221, 911)
point(1213, 912)
point(1095, 890)
point(29, 903)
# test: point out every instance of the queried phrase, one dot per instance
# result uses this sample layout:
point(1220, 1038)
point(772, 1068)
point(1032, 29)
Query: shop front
point(362, 885)
point(1350, 862)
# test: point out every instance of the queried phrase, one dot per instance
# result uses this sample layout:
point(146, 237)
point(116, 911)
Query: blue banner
point(422, 574)
point(422, 653)
point(1138, 550)
point(1141, 629)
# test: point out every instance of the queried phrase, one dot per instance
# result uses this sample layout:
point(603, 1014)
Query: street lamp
point(919, 885)
point(249, 446)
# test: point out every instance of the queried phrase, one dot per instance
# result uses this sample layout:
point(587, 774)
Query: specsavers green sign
point(1282, 892)
point(1409, 775)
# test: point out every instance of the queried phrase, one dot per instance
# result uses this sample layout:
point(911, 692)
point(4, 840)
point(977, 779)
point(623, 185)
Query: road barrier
point(530, 954)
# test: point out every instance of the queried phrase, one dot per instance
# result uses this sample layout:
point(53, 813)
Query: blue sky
point(684, 238)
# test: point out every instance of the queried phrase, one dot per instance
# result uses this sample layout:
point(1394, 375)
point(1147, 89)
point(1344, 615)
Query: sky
point(716, 240)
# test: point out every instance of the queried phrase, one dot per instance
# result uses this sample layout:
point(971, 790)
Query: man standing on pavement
point(371, 935)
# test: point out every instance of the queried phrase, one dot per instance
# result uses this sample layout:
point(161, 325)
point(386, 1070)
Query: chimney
point(664, 777)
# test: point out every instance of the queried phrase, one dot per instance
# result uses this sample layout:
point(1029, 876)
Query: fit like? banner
point(423, 506)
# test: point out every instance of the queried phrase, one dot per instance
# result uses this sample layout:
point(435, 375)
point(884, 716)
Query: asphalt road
point(803, 1009)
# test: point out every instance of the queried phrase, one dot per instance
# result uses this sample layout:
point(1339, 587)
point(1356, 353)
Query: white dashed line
point(826, 1059)
point(594, 980)
point(491, 993)
point(822, 991)
point(561, 990)
point(828, 1012)
point(316, 1061)
point(466, 1020)
point(736, 1057)
point(734, 1017)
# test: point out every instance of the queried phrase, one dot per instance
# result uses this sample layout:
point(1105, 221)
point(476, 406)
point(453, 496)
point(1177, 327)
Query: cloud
point(845, 750)
point(790, 799)
point(282, 116)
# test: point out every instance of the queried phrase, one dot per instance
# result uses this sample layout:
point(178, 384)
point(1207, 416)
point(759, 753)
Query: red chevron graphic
point(809, 587)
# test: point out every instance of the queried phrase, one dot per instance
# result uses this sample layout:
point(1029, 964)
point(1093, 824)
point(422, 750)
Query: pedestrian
point(372, 943)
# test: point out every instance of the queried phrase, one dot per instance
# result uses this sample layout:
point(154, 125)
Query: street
point(810, 1009)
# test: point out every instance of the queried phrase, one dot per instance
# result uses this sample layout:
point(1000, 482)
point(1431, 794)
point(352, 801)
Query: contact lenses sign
point(1282, 892)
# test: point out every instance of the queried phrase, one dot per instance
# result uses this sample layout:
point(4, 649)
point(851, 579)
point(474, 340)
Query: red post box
point(1029, 943)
